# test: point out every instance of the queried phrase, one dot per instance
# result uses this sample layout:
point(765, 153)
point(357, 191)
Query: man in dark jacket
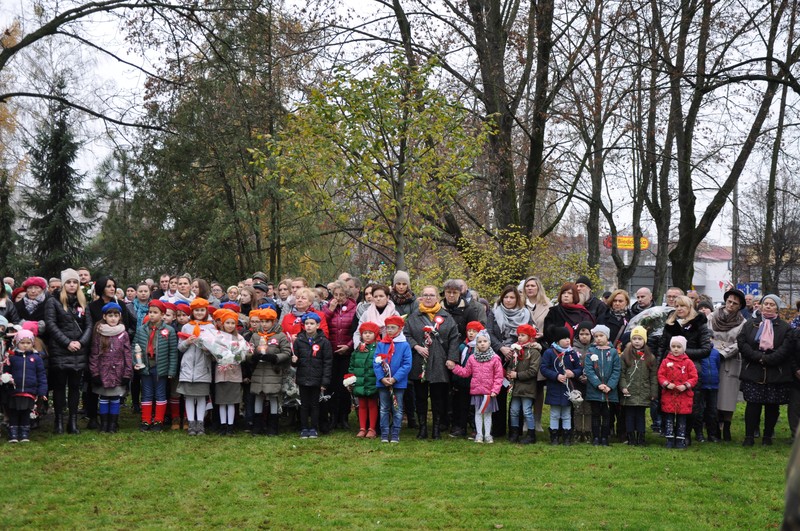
point(595, 306)
point(644, 300)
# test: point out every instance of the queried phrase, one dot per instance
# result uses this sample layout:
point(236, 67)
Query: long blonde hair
point(683, 300)
point(81, 298)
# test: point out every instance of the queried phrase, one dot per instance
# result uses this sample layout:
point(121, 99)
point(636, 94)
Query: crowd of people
point(190, 355)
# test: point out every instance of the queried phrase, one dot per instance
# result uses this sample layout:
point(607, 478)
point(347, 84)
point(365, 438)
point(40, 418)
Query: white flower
point(6, 378)
point(670, 364)
point(377, 359)
point(594, 357)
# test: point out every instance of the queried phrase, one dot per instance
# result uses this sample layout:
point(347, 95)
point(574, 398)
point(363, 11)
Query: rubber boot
point(113, 423)
point(640, 439)
point(681, 435)
point(567, 437)
point(669, 431)
point(104, 423)
point(58, 424)
point(632, 439)
point(554, 433)
point(72, 426)
point(530, 437)
point(273, 424)
point(423, 427)
point(513, 434)
point(726, 431)
point(258, 425)
point(24, 434)
point(435, 429)
point(13, 434)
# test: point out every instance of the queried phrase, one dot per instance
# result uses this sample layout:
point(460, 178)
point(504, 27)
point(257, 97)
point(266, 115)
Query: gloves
point(125, 382)
point(96, 381)
point(271, 358)
point(256, 357)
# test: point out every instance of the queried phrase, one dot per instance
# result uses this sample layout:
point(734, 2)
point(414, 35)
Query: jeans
point(390, 414)
point(562, 413)
point(154, 387)
point(526, 406)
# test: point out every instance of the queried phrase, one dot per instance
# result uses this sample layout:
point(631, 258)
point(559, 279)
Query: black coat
point(770, 366)
point(9, 311)
point(37, 315)
point(562, 316)
point(598, 309)
point(63, 327)
point(616, 325)
point(463, 312)
point(313, 370)
point(698, 339)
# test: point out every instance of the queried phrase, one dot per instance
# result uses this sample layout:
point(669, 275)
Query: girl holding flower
point(602, 369)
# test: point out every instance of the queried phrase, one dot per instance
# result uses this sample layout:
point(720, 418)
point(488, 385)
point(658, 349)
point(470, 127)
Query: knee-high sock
point(147, 412)
point(175, 408)
point(161, 410)
point(103, 410)
point(113, 405)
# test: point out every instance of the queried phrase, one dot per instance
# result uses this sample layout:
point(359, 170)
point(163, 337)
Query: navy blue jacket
point(28, 372)
point(710, 370)
point(551, 368)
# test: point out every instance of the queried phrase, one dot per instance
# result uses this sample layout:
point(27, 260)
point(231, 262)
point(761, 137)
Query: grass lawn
point(171, 480)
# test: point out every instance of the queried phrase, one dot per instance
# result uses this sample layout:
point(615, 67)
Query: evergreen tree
point(54, 201)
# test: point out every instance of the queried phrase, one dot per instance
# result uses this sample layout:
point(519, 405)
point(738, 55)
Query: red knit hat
point(157, 304)
point(35, 281)
point(183, 307)
point(371, 327)
point(475, 325)
point(528, 330)
point(395, 320)
point(16, 292)
point(170, 306)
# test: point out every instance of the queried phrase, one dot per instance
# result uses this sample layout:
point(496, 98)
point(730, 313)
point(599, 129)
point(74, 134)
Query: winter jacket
point(639, 376)
point(598, 309)
point(709, 371)
point(165, 347)
point(463, 312)
point(63, 327)
point(568, 316)
point(314, 360)
point(677, 370)
point(698, 339)
point(9, 310)
point(28, 372)
point(36, 315)
point(361, 365)
point(399, 363)
point(113, 364)
point(616, 325)
point(269, 366)
point(292, 325)
point(487, 376)
point(603, 370)
point(341, 324)
point(465, 353)
point(443, 345)
point(195, 362)
point(553, 365)
point(403, 305)
point(240, 349)
point(528, 361)
point(766, 367)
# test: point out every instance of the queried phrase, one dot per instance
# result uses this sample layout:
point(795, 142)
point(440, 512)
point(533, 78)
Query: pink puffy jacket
point(487, 377)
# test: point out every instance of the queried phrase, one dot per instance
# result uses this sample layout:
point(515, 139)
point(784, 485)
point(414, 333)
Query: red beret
point(528, 330)
point(395, 320)
point(211, 309)
point(371, 327)
point(170, 306)
point(158, 304)
point(183, 307)
point(16, 292)
point(35, 281)
point(475, 325)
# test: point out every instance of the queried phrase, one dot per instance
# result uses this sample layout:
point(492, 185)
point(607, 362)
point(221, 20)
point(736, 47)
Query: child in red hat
point(364, 387)
point(522, 373)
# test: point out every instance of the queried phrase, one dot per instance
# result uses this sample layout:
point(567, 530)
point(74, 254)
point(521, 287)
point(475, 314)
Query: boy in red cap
point(460, 385)
point(391, 366)
point(522, 373)
point(159, 347)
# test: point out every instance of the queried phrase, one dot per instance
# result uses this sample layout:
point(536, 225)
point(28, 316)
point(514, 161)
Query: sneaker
point(488, 439)
point(384, 439)
point(156, 427)
point(312, 434)
point(395, 441)
point(144, 427)
point(478, 440)
point(304, 434)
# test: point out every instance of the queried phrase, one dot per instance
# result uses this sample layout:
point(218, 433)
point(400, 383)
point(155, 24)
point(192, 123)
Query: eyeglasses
point(427, 296)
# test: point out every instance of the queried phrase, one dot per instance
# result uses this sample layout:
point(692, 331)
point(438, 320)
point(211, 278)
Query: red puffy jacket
point(678, 370)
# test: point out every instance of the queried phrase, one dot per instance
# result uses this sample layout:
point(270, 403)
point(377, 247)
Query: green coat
point(165, 346)
point(527, 371)
point(640, 377)
point(361, 364)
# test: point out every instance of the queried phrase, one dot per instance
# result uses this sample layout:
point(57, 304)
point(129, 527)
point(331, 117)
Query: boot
point(412, 422)
point(13, 434)
point(104, 423)
point(567, 437)
point(58, 424)
point(436, 433)
point(25, 434)
point(530, 437)
point(748, 441)
point(632, 439)
point(669, 431)
point(92, 425)
point(200, 427)
point(423, 427)
point(640, 439)
point(192, 428)
point(513, 435)
point(726, 431)
point(273, 427)
point(554, 433)
point(681, 436)
point(113, 423)
point(175, 425)
point(258, 425)
point(72, 427)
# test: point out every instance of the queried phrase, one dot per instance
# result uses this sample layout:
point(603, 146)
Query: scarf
point(197, 325)
point(430, 311)
point(32, 304)
point(722, 321)
point(141, 310)
point(400, 299)
point(363, 347)
point(508, 319)
point(371, 314)
point(151, 342)
point(765, 334)
point(110, 331)
point(390, 353)
point(483, 357)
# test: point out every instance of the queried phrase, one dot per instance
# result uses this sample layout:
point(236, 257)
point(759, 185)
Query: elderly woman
point(618, 315)
point(725, 324)
point(291, 323)
point(432, 335)
point(686, 322)
point(340, 314)
point(508, 313)
point(766, 375)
